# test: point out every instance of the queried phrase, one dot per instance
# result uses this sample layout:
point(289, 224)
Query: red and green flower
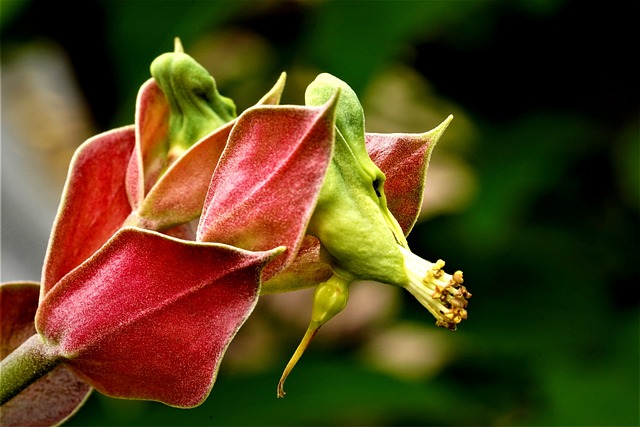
point(170, 229)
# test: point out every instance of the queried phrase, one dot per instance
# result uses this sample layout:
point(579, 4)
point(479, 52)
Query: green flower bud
point(196, 106)
point(351, 220)
point(329, 299)
point(351, 153)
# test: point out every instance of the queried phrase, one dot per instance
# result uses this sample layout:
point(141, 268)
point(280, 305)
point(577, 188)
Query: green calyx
point(329, 299)
point(196, 106)
point(359, 235)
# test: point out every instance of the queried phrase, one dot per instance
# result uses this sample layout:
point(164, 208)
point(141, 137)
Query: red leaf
point(150, 317)
point(94, 203)
point(54, 397)
point(266, 185)
point(403, 158)
point(179, 193)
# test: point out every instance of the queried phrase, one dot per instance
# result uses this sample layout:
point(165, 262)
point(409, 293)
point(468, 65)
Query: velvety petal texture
point(267, 182)
point(152, 129)
point(404, 159)
point(54, 397)
point(94, 203)
point(179, 195)
point(150, 317)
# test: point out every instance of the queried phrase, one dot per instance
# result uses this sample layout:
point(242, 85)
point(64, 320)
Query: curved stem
point(308, 336)
point(26, 364)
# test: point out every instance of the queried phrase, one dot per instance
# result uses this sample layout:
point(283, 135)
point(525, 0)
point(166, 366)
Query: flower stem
point(29, 362)
point(329, 299)
point(308, 336)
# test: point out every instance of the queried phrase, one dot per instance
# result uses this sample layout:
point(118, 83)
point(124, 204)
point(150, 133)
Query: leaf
point(179, 194)
point(152, 128)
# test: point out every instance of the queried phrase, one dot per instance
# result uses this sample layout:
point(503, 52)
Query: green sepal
point(350, 128)
point(359, 235)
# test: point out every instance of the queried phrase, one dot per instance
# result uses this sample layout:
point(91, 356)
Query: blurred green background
point(533, 192)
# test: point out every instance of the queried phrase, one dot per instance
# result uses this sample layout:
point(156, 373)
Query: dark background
point(546, 137)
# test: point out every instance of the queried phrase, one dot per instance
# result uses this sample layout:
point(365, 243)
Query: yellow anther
point(438, 293)
point(456, 302)
point(457, 277)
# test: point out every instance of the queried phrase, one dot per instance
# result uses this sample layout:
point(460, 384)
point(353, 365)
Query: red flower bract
point(149, 317)
point(114, 180)
point(277, 158)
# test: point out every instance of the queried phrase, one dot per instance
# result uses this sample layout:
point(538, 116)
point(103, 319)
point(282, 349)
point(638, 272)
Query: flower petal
point(54, 397)
point(178, 196)
point(404, 159)
point(266, 185)
point(94, 203)
point(305, 271)
point(150, 317)
point(152, 129)
point(275, 93)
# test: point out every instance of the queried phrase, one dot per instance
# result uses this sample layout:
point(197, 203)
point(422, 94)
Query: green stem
point(29, 362)
point(308, 336)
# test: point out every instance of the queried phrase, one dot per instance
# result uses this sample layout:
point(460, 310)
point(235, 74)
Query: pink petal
point(404, 159)
point(266, 185)
point(152, 127)
point(179, 195)
point(150, 317)
point(94, 203)
point(305, 271)
point(54, 397)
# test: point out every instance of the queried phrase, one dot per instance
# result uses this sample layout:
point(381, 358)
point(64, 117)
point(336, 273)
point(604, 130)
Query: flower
point(153, 174)
point(149, 316)
point(139, 304)
point(358, 235)
point(146, 314)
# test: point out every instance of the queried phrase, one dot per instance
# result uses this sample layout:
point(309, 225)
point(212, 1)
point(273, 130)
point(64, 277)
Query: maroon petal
point(94, 203)
point(150, 317)
point(150, 155)
point(404, 159)
point(180, 193)
point(54, 397)
point(305, 271)
point(266, 185)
